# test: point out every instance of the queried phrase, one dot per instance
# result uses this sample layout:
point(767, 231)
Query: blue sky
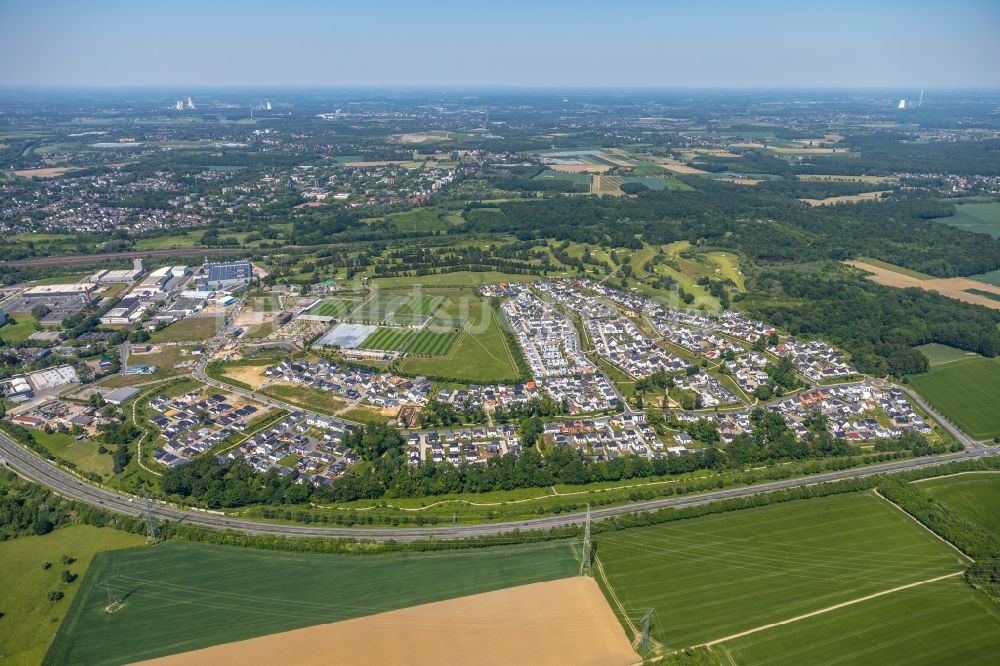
point(842, 43)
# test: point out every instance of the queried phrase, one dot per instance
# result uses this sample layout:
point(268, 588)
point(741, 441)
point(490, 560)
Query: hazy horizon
point(582, 45)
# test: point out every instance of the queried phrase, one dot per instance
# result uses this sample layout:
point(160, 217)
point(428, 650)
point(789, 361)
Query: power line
point(644, 639)
point(152, 526)
point(107, 586)
point(585, 563)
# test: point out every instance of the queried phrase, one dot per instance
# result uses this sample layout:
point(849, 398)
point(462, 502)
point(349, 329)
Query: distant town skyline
point(776, 43)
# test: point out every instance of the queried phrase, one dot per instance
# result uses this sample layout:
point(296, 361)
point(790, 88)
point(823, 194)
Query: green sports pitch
point(389, 307)
point(388, 339)
point(430, 343)
point(424, 343)
point(181, 596)
point(419, 306)
point(712, 577)
point(333, 307)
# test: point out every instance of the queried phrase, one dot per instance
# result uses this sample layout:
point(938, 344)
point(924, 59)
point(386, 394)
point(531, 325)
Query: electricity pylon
point(585, 564)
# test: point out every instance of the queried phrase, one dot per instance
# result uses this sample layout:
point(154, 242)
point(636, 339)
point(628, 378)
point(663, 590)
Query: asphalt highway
point(41, 471)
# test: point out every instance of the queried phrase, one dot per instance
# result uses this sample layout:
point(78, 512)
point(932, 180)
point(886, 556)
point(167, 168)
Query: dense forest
point(763, 225)
point(877, 325)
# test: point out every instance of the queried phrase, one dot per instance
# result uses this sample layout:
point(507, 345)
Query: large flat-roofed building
point(82, 289)
point(16, 389)
point(120, 395)
point(128, 311)
point(53, 377)
point(225, 276)
point(126, 275)
point(119, 276)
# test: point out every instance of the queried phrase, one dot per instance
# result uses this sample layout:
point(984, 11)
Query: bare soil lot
point(849, 198)
point(956, 288)
point(848, 179)
point(580, 168)
point(251, 375)
point(675, 166)
point(45, 172)
point(560, 622)
point(740, 181)
point(375, 163)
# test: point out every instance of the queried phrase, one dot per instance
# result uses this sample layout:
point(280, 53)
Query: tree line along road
point(34, 468)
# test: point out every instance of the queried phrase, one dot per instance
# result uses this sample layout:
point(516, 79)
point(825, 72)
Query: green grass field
point(896, 269)
point(974, 496)
point(179, 240)
point(685, 271)
point(992, 277)
point(420, 306)
point(729, 267)
point(946, 622)
point(980, 218)
point(189, 329)
point(966, 392)
point(389, 339)
point(22, 328)
point(478, 355)
point(379, 307)
point(83, 454)
point(982, 292)
point(711, 577)
point(938, 354)
point(29, 619)
point(182, 596)
point(333, 307)
point(165, 359)
point(308, 397)
point(455, 279)
point(582, 179)
point(418, 219)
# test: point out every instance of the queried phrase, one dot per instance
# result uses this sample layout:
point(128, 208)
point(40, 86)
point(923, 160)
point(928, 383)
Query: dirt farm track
point(564, 621)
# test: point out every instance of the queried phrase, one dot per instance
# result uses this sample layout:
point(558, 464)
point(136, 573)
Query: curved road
point(44, 472)
point(64, 483)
